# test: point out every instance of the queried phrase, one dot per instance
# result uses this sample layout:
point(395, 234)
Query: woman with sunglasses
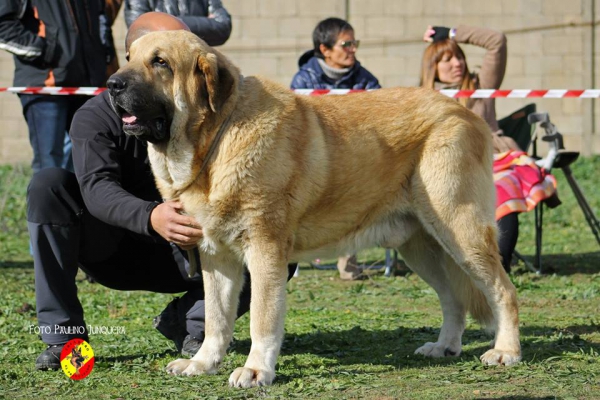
point(520, 184)
point(332, 63)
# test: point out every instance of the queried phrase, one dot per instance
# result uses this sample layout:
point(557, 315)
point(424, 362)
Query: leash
point(215, 143)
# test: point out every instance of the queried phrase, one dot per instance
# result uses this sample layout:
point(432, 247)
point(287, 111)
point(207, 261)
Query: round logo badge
point(77, 359)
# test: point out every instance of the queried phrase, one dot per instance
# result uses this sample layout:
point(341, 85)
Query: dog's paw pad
point(188, 368)
point(178, 366)
point(438, 350)
point(247, 377)
point(194, 368)
point(500, 357)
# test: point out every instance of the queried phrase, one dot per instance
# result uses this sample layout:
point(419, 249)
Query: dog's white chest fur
point(172, 163)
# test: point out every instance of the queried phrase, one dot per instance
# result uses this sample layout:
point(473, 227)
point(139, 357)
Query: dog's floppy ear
point(219, 80)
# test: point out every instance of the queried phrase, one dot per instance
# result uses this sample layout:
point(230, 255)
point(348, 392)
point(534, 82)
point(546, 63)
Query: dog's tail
point(471, 296)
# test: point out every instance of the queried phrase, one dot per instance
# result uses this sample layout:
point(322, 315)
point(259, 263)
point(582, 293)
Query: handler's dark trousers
point(64, 236)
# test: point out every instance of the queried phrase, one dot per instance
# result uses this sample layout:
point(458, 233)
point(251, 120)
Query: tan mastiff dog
point(273, 176)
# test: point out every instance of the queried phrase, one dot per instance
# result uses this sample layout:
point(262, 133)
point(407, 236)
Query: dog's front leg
point(267, 264)
point(223, 280)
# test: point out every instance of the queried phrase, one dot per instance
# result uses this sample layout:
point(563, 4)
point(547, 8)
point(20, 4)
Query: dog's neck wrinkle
point(198, 163)
point(220, 128)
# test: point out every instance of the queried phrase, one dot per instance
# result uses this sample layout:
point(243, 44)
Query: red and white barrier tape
point(523, 93)
point(483, 93)
point(476, 94)
point(64, 91)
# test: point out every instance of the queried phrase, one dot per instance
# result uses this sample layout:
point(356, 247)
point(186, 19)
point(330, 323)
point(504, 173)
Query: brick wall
point(550, 47)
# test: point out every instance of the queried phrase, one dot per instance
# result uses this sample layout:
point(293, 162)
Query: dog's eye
point(160, 62)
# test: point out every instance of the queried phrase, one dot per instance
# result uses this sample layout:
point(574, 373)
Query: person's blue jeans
point(48, 119)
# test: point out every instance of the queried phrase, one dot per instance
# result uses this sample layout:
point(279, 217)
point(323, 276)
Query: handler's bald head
point(150, 22)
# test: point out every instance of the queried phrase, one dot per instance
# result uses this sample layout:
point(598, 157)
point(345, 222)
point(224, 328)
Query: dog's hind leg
point(223, 280)
point(427, 259)
point(456, 206)
point(267, 263)
point(479, 257)
point(473, 246)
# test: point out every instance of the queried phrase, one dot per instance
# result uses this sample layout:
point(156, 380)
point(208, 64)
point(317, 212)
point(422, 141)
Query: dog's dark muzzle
point(116, 85)
point(142, 114)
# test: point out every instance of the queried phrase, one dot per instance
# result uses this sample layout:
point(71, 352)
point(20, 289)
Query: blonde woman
point(520, 184)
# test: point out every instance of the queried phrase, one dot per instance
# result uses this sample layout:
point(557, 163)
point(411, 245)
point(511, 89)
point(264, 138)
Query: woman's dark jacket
point(311, 76)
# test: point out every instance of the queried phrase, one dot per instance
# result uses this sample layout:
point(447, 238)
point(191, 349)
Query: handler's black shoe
point(50, 358)
point(190, 346)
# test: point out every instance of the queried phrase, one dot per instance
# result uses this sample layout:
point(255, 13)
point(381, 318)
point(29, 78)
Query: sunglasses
point(348, 44)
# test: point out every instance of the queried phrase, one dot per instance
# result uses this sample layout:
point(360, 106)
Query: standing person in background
point(208, 19)
point(332, 64)
point(112, 10)
point(520, 184)
point(58, 43)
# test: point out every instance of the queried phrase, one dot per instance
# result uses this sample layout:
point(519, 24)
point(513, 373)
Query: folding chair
point(558, 157)
point(520, 125)
point(391, 261)
point(519, 128)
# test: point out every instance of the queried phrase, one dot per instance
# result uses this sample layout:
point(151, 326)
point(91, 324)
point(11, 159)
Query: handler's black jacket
point(112, 168)
point(76, 49)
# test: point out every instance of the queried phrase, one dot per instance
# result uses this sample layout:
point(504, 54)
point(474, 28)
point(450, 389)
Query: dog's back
point(350, 161)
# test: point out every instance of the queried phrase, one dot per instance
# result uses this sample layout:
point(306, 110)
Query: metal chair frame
point(557, 158)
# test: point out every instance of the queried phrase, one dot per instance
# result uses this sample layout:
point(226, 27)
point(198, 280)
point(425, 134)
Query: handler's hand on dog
point(168, 221)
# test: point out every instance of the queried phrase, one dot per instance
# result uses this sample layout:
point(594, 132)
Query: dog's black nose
point(116, 84)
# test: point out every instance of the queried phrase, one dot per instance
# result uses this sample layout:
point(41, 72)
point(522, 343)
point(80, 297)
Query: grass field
point(343, 339)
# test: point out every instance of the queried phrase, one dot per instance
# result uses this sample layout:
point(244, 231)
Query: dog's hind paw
point(186, 367)
point(500, 357)
point(247, 377)
point(437, 350)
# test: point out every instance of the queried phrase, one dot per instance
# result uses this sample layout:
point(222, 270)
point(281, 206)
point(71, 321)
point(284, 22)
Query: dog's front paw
point(178, 366)
point(500, 357)
point(438, 350)
point(188, 368)
point(247, 377)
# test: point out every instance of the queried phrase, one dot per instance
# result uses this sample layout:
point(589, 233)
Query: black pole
point(347, 7)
